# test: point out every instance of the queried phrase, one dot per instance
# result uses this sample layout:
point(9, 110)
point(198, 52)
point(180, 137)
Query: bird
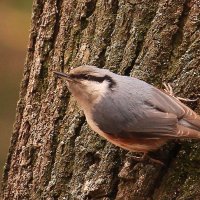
point(129, 112)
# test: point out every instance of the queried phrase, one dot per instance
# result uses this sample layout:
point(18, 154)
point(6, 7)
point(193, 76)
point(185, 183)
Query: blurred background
point(15, 18)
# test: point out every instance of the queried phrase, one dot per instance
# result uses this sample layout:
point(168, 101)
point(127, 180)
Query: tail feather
point(192, 124)
point(195, 123)
point(186, 132)
point(191, 119)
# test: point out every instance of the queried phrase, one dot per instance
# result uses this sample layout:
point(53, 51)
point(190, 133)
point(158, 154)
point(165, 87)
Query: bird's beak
point(62, 75)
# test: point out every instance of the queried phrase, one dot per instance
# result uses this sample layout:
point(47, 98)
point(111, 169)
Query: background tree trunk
point(53, 153)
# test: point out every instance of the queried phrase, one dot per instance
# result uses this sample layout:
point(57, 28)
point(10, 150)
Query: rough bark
point(53, 153)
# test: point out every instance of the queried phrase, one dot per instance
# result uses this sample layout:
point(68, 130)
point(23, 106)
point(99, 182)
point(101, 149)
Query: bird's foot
point(145, 158)
point(187, 100)
point(168, 89)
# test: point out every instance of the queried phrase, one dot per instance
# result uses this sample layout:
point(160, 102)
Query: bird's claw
point(169, 90)
point(145, 158)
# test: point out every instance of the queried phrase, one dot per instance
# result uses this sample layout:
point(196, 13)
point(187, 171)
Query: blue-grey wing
point(148, 114)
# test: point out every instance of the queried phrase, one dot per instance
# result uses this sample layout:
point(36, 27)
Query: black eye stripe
point(112, 82)
point(99, 79)
point(88, 77)
point(79, 76)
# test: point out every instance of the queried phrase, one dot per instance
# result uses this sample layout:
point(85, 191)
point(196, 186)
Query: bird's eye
point(87, 77)
point(81, 76)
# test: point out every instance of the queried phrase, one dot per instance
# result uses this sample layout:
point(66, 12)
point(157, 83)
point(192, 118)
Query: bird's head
point(88, 83)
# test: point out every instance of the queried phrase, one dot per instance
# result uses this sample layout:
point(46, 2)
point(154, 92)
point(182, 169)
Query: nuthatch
point(129, 112)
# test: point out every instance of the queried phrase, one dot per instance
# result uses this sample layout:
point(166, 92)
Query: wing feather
point(146, 113)
point(171, 104)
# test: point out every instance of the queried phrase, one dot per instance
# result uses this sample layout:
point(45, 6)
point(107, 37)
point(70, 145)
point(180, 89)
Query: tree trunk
point(53, 152)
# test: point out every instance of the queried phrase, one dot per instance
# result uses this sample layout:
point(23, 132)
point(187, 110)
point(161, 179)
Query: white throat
point(97, 89)
point(91, 94)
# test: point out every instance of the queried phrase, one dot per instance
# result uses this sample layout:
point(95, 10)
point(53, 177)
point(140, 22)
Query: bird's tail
point(188, 132)
point(189, 125)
